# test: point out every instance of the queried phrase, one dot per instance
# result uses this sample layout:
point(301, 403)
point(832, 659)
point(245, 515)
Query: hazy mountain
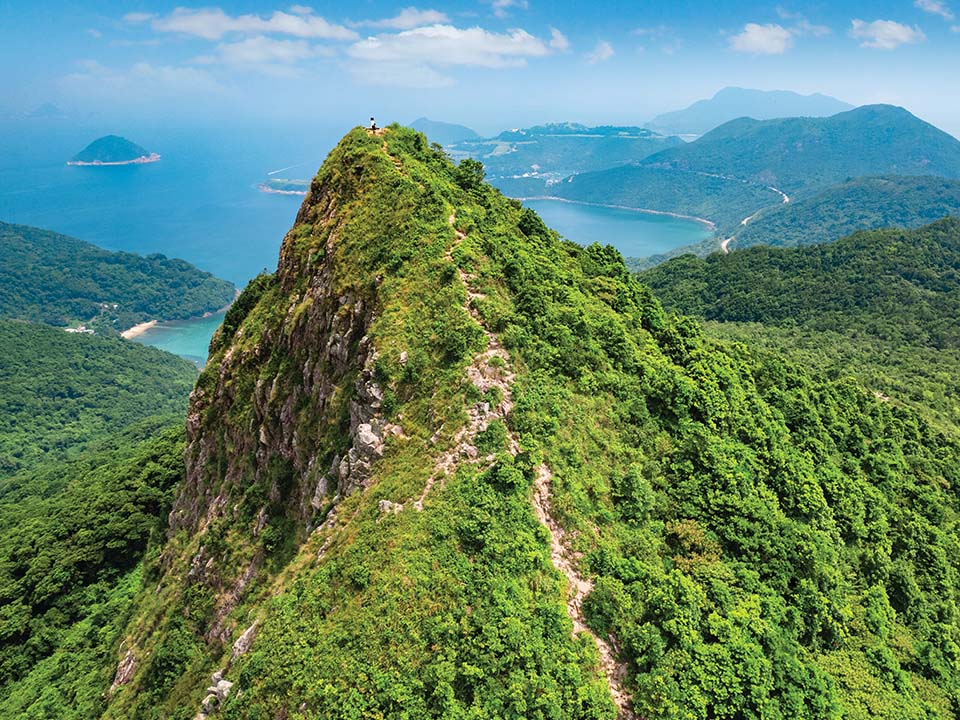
point(443, 132)
point(553, 151)
point(732, 102)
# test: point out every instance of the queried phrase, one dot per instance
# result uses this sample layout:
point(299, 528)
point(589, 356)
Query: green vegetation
point(59, 280)
point(866, 203)
point(721, 200)
point(763, 542)
point(110, 149)
point(59, 391)
point(71, 542)
point(881, 305)
point(802, 155)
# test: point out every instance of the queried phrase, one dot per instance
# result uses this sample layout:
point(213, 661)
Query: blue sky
point(486, 63)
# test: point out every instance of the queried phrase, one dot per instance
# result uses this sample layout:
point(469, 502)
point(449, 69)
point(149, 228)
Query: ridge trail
point(485, 374)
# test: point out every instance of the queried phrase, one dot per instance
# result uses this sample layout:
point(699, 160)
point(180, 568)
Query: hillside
point(881, 305)
point(59, 391)
point(443, 132)
point(732, 103)
point(112, 150)
point(555, 151)
point(802, 155)
point(720, 200)
point(866, 203)
point(56, 279)
point(444, 464)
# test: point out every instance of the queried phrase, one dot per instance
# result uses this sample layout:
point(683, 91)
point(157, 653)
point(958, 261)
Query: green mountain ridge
point(800, 155)
point(443, 463)
point(52, 278)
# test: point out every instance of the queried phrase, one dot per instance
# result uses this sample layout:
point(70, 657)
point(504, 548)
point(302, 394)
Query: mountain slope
point(60, 391)
point(732, 102)
point(866, 203)
point(56, 279)
point(799, 155)
point(881, 305)
point(721, 201)
point(443, 132)
point(110, 149)
point(444, 464)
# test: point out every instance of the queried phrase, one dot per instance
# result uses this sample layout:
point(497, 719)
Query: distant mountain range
point(733, 102)
point(801, 155)
point(443, 132)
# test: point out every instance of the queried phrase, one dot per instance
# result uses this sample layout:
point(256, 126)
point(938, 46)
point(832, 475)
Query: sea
point(201, 201)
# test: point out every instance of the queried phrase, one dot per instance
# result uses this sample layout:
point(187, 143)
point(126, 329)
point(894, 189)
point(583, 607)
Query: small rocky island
point(113, 150)
point(282, 186)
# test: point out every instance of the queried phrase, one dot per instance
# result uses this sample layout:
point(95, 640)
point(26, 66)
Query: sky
point(489, 64)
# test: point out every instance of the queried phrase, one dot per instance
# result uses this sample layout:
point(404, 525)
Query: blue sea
point(200, 201)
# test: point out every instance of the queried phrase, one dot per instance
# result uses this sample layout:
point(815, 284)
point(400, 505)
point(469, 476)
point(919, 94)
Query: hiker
point(373, 125)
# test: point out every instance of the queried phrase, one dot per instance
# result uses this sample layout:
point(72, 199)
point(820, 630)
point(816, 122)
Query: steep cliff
point(445, 464)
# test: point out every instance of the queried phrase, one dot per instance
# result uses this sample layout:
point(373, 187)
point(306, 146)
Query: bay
point(633, 232)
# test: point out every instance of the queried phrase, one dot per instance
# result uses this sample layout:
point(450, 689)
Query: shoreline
point(267, 189)
point(709, 224)
point(142, 160)
point(138, 329)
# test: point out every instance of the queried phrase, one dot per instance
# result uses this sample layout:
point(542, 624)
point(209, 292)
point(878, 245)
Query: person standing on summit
point(373, 125)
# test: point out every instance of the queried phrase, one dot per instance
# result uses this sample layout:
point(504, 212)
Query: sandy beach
point(138, 329)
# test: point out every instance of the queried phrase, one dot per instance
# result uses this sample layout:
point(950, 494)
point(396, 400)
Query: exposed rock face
point(125, 670)
point(309, 368)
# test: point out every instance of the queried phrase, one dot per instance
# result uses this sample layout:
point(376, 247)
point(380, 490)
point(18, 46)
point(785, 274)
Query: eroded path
point(492, 369)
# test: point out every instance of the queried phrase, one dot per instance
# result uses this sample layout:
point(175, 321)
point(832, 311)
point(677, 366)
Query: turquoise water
point(187, 338)
point(633, 233)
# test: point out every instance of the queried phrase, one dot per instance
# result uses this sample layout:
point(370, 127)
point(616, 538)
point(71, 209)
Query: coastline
point(142, 160)
point(709, 224)
point(267, 189)
point(138, 329)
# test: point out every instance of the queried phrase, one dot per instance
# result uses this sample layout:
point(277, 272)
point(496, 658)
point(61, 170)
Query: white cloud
point(885, 34)
point(558, 41)
point(138, 17)
point(260, 49)
point(935, 7)
point(301, 10)
point(800, 24)
point(501, 7)
point(601, 53)
point(955, 28)
point(214, 23)
point(769, 39)
point(93, 32)
point(410, 18)
point(446, 45)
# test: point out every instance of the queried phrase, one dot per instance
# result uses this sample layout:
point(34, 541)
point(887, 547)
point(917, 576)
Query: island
point(281, 186)
point(113, 150)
